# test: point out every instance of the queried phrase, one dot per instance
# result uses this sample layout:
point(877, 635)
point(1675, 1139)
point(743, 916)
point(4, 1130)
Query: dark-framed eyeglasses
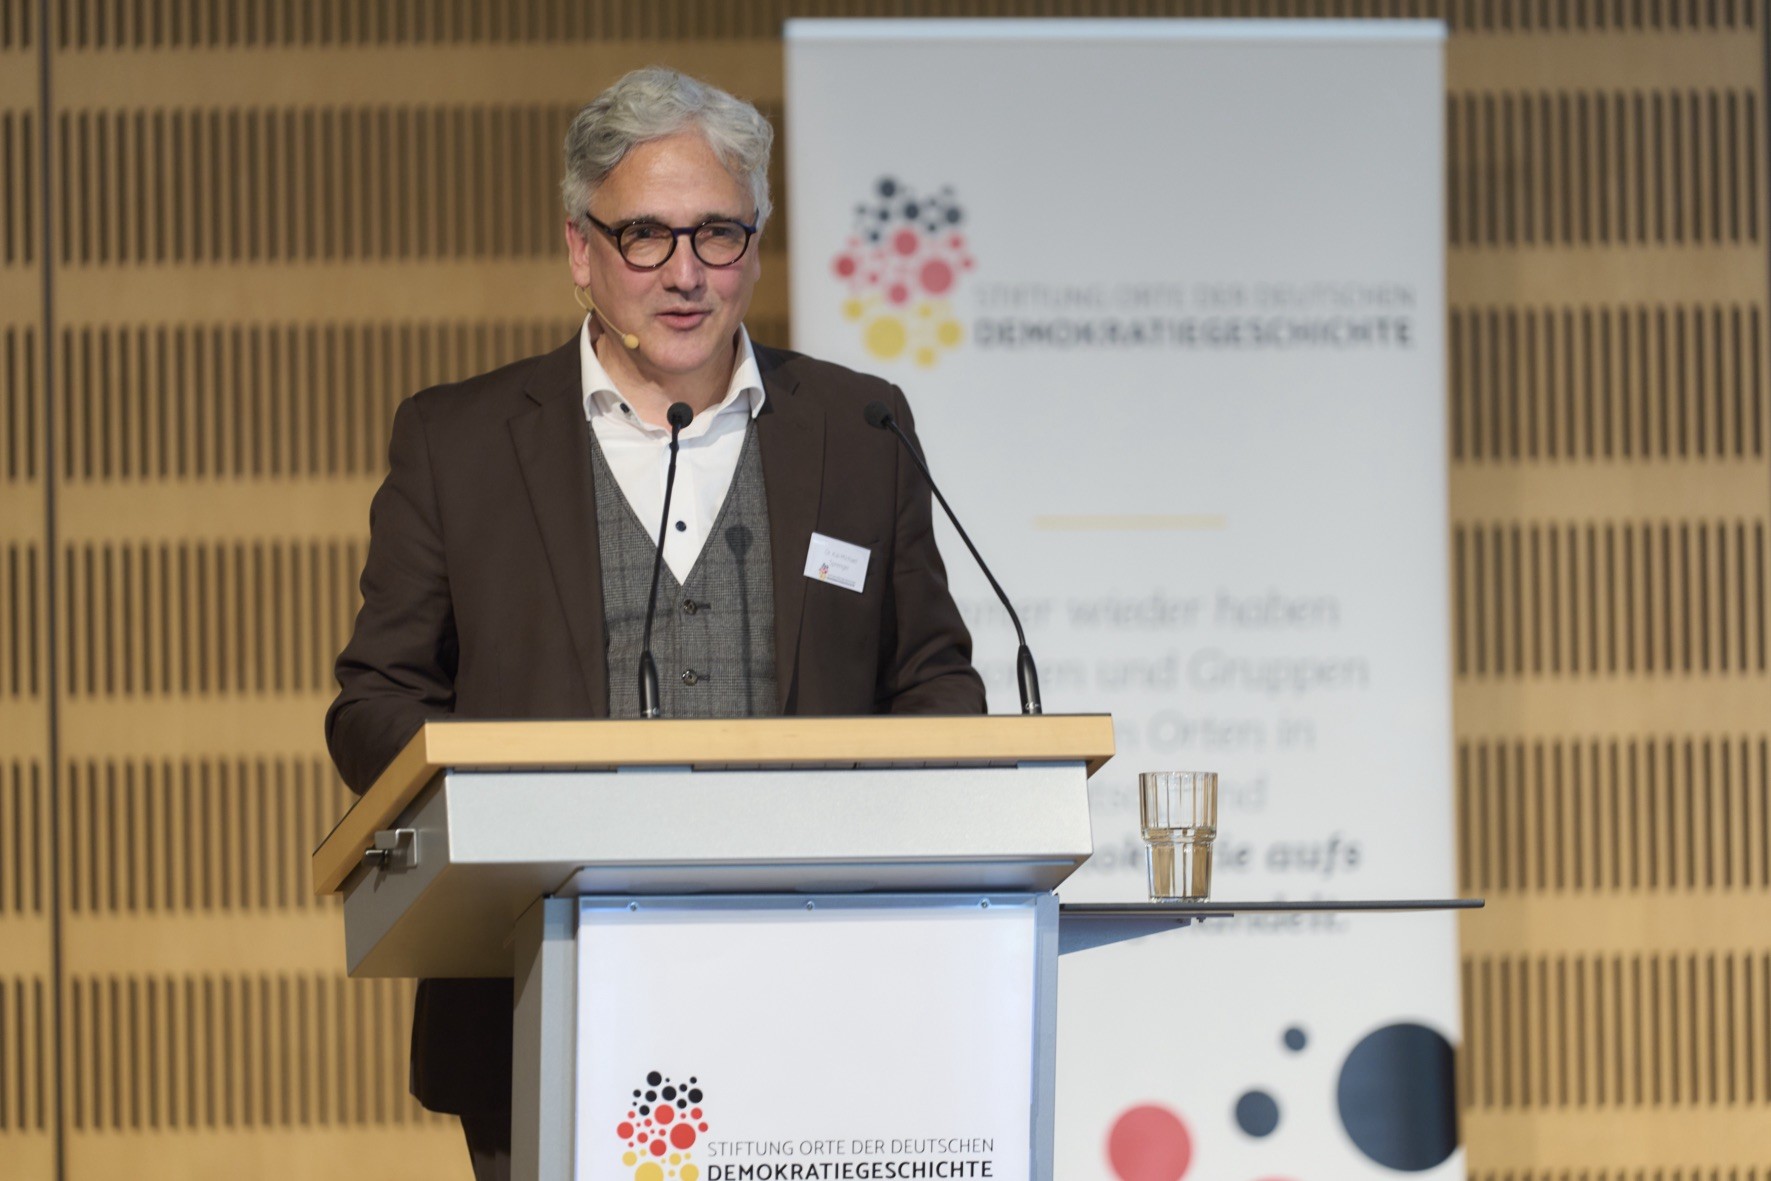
point(648, 245)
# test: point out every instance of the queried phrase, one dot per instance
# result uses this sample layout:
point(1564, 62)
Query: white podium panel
point(842, 1037)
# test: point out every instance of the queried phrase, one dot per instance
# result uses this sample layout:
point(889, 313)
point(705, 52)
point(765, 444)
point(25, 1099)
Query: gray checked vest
point(714, 635)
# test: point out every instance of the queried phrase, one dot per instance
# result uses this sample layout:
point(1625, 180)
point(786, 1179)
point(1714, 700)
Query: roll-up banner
point(1166, 298)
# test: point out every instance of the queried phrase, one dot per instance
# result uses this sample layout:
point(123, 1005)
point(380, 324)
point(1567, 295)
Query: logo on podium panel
point(662, 1123)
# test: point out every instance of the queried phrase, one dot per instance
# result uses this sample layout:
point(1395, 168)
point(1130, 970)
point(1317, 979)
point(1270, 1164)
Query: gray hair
point(653, 103)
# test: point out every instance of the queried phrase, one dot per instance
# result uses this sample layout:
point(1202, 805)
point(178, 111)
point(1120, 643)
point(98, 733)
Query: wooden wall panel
point(1608, 392)
point(269, 220)
point(28, 1076)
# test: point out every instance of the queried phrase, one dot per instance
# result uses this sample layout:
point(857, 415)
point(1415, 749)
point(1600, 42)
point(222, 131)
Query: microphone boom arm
point(1026, 672)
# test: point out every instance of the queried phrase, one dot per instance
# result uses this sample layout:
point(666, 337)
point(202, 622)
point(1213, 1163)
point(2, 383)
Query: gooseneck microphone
point(1025, 672)
point(678, 416)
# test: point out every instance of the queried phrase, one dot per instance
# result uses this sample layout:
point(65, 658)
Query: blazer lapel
point(553, 446)
point(790, 432)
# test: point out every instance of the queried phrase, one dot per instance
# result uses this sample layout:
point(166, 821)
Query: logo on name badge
point(664, 1120)
point(902, 261)
point(837, 563)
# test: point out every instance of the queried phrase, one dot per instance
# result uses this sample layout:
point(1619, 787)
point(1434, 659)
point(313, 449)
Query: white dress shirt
point(638, 453)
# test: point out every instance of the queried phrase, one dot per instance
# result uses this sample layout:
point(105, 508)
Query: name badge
point(837, 562)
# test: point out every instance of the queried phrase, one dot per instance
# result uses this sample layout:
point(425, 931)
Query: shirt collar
point(744, 391)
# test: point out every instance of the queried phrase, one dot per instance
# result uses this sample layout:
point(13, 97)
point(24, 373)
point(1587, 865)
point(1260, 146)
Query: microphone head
point(679, 415)
point(877, 415)
point(630, 340)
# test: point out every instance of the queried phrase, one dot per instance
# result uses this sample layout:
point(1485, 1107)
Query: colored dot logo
point(1149, 1143)
point(903, 259)
point(662, 1123)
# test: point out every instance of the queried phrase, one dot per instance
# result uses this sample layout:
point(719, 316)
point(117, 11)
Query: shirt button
point(682, 526)
point(689, 677)
point(690, 606)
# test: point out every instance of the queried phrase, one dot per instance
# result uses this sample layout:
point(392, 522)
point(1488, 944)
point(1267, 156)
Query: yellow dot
point(852, 308)
point(676, 1158)
point(925, 356)
point(648, 1172)
point(690, 1172)
point(925, 309)
point(886, 337)
point(949, 333)
point(628, 1158)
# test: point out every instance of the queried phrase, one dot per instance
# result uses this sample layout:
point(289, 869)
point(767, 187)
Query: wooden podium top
point(705, 744)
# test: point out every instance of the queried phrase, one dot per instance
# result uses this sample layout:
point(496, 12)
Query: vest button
point(689, 677)
point(690, 606)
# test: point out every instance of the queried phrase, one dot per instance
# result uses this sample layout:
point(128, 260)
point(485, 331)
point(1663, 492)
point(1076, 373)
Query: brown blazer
point(482, 599)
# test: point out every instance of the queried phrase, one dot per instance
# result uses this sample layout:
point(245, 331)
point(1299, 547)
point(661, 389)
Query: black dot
point(653, 1079)
point(1257, 1113)
point(682, 527)
point(954, 216)
point(933, 227)
point(669, 1092)
point(887, 186)
point(873, 235)
point(911, 212)
point(636, 1094)
point(885, 214)
point(644, 1110)
point(681, 1104)
point(1396, 1099)
point(694, 1094)
point(1296, 1039)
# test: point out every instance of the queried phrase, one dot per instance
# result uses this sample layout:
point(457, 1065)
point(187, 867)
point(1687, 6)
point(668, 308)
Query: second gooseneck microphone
point(1026, 674)
point(678, 416)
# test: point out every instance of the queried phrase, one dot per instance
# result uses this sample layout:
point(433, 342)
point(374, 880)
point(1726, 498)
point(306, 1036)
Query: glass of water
point(1178, 813)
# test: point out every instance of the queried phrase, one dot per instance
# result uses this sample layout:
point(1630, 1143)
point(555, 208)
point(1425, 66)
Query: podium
point(837, 899)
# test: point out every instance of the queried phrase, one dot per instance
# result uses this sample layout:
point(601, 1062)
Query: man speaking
point(513, 543)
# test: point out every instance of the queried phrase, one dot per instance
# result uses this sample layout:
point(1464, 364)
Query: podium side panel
point(542, 1066)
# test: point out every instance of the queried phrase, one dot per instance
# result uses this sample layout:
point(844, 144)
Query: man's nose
point(684, 270)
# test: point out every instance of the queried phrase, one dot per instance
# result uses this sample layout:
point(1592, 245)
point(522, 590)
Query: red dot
point(957, 241)
point(898, 293)
point(936, 276)
point(657, 1147)
point(682, 1136)
point(624, 1130)
point(694, 1113)
point(845, 265)
point(1149, 1143)
point(666, 1114)
point(904, 241)
point(703, 1127)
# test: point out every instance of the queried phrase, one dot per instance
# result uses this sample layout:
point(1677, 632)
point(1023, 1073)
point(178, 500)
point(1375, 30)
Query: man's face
point(685, 312)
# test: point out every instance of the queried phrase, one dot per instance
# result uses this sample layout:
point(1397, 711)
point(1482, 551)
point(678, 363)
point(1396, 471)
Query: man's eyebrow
point(709, 215)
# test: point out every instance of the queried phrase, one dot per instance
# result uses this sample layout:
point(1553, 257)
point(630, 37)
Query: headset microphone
point(581, 295)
